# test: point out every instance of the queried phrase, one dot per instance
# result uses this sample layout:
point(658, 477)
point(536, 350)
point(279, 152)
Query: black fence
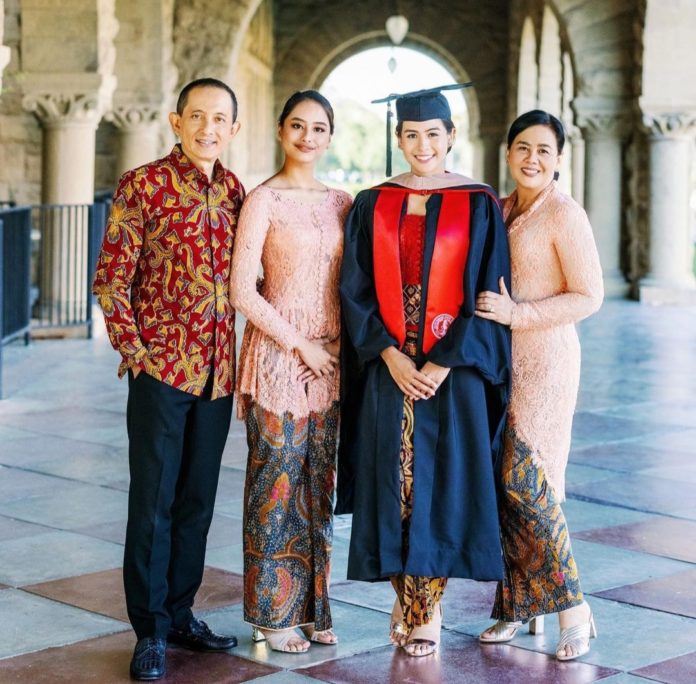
point(65, 244)
point(47, 261)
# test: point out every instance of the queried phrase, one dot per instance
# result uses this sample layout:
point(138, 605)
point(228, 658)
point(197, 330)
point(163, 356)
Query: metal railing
point(65, 244)
point(15, 269)
point(49, 253)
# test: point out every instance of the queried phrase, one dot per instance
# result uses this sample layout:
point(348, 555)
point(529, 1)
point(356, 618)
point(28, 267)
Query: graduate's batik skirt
point(540, 574)
point(419, 596)
point(290, 480)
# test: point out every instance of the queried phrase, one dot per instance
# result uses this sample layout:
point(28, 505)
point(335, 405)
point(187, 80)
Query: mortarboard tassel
point(389, 140)
point(419, 105)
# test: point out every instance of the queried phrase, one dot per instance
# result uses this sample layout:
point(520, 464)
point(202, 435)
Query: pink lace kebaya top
point(299, 245)
point(556, 281)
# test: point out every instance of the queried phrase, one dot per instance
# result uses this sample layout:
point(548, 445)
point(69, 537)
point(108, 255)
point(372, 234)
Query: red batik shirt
point(163, 273)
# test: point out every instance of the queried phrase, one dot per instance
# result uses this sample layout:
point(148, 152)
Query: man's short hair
point(205, 83)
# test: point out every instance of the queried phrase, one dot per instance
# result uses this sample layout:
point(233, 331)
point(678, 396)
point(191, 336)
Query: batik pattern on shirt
point(162, 278)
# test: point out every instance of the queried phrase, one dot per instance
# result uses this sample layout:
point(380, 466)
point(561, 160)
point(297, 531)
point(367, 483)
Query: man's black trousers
point(175, 448)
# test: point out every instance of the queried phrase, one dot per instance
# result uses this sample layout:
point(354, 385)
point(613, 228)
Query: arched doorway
point(357, 155)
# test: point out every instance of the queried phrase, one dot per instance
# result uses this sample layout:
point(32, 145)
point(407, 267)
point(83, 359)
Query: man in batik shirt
point(162, 281)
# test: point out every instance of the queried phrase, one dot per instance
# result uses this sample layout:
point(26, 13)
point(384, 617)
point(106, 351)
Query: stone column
point(487, 159)
point(138, 135)
point(670, 279)
point(4, 60)
point(577, 170)
point(69, 121)
point(604, 131)
point(4, 50)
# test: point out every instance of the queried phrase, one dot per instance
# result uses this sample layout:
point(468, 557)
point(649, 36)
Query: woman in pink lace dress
point(556, 281)
point(287, 387)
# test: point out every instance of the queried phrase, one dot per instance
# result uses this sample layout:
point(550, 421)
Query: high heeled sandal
point(315, 635)
point(502, 632)
point(578, 637)
point(428, 636)
point(279, 640)
point(398, 632)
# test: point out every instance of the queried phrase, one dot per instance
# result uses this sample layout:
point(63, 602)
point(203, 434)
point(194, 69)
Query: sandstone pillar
point(4, 50)
point(68, 58)
point(604, 131)
point(487, 159)
point(138, 135)
point(69, 121)
point(670, 278)
point(577, 166)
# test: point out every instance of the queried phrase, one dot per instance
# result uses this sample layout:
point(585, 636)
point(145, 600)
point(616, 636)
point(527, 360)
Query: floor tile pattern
point(631, 510)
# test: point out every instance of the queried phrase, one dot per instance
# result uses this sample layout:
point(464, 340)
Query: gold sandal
point(502, 632)
point(398, 632)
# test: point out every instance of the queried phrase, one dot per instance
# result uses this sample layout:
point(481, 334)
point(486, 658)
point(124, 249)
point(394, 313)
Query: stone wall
point(20, 134)
point(252, 152)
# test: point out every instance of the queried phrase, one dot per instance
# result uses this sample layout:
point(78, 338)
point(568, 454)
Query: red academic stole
point(445, 293)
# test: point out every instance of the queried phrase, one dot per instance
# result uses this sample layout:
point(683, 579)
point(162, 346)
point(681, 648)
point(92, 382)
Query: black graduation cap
point(419, 105)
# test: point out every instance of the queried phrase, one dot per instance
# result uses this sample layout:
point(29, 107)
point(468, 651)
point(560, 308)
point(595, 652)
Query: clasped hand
point(318, 358)
point(415, 384)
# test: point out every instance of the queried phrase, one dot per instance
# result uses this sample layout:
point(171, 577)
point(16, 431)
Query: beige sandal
point(502, 632)
point(325, 637)
point(279, 640)
point(425, 636)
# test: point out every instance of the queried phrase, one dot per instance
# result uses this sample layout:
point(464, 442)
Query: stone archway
point(598, 41)
point(313, 39)
point(208, 36)
point(233, 41)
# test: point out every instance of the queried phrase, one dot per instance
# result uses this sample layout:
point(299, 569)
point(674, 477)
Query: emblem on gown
point(441, 324)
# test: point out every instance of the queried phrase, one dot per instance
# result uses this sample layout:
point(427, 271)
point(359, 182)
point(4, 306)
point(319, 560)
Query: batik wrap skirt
point(419, 596)
point(288, 503)
point(540, 575)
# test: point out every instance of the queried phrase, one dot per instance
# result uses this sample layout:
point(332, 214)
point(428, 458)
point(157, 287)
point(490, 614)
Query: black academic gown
point(454, 530)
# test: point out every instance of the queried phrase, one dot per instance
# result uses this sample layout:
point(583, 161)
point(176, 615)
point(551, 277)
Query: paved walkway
point(631, 509)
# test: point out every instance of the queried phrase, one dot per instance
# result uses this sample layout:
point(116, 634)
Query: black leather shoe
point(149, 659)
point(199, 637)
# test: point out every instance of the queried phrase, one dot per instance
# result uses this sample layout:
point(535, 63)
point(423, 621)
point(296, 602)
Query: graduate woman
point(426, 382)
point(556, 281)
point(288, 383)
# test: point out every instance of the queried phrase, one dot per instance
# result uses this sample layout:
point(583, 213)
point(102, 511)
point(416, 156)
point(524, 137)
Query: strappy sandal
point(578, 638)
point(427, 635)
point(398, 632)
point(279, 640)
point(325, 637)
point(502, 632)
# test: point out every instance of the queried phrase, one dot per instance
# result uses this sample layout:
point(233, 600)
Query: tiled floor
point(631, 510)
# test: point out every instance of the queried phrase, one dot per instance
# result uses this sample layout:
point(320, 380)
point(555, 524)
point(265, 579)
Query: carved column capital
point(129, 117)
point(67, 99)
point(673, 125)
point(603, 125)
point(54, 109)
point(599, 119)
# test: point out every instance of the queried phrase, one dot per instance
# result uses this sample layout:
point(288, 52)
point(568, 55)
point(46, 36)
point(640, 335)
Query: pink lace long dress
point(291, 426)
point(556, 281)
